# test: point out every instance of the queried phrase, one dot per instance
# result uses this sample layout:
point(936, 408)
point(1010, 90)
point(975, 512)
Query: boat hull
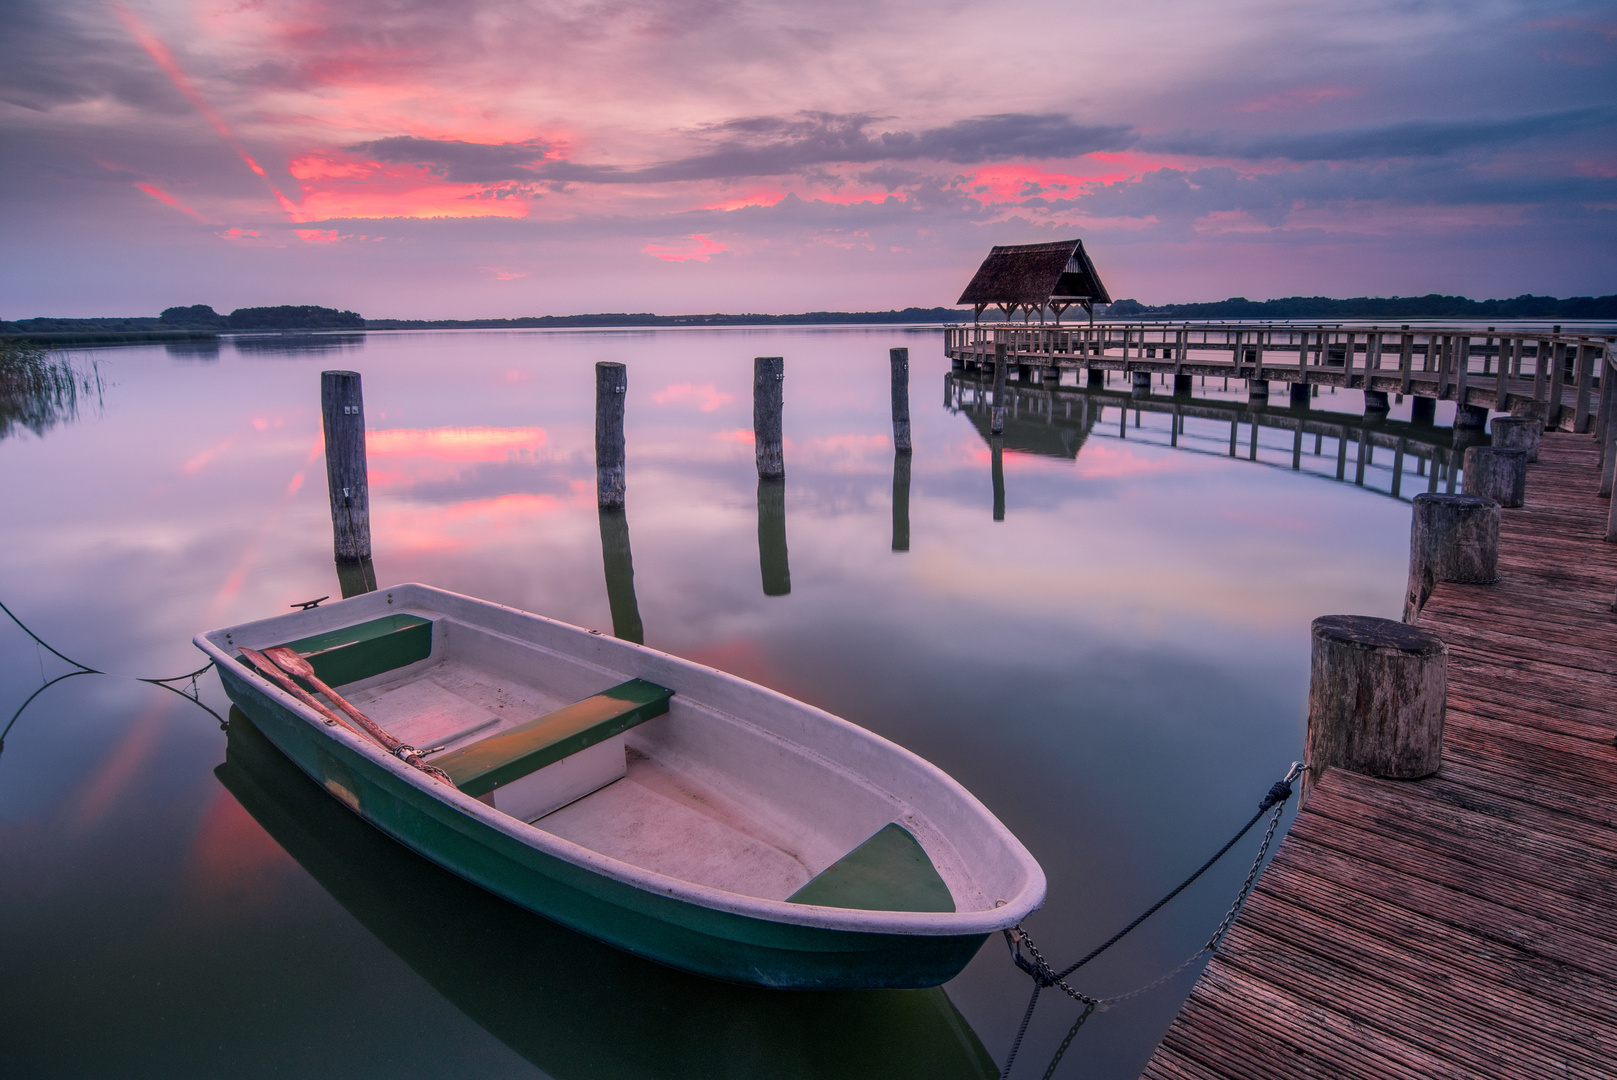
point(667, 929)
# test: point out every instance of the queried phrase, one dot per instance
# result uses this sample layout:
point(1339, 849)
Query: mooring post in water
point(772, 560)
point(342, 409)
point(899, 360)
point(1518, 433)
point(901, 501)
point(1422, 410)
point(1299, 395)
point(611, 387)
point(996, 414)
point(1375, 698)
point(1376, 403)
point(768, 395)
point(1451, 538)
point(1257, 391)
point(619, 564)
point(1497, 473)
point(1094, 377)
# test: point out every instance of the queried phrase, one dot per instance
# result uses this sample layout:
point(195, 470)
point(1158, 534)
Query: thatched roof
point(1036, 276)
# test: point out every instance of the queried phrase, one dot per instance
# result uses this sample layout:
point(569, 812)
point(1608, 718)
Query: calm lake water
point(1118, 669)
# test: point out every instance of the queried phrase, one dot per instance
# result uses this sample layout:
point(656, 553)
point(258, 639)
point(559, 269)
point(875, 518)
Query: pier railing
point(1552, 375)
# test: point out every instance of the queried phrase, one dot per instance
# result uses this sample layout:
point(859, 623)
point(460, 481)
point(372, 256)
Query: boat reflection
point(568, 1004)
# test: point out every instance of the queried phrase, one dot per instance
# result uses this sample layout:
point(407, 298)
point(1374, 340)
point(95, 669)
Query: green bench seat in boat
point(888, 872)
point(365, 649)
point(512, 754)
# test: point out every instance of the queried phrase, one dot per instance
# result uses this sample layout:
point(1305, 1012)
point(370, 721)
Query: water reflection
point(206, 350)
point(354, 578)
point(37, 391)
point(619, 563)
point(996, 451)
point(1055, 422)
point(777, 574)
point(297, 345)
point(901, 501)
point(568, 1004)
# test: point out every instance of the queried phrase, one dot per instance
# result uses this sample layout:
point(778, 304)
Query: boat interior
point(642, 774)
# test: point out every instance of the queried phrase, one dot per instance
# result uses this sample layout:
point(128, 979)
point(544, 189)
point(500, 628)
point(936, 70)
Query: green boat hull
point(690, 937)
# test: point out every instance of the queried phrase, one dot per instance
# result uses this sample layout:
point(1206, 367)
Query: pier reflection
point(777, 572)
point(568, 1004)
point(619, 564)
point(1057, 421)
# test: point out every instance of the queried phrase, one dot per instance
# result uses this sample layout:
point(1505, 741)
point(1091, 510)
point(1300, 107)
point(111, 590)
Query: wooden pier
point(1464, 925)
point(1477, 367)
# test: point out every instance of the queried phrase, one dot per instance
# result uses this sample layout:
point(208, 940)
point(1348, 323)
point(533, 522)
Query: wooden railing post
point(1585, 371)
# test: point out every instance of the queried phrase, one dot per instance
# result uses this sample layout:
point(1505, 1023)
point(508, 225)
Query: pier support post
point(1181, 384)
point(611, 387)
point(1300, 395)
point(1451, 538)
point(1257, 391)
point(1471, 416)
point(1518, 433)
point(1142, 384)
point(996, 415)
point(768, 393)
point(899, 361)
point(1422, 410)
point(1375, 403)
point(1375, 698)
point(342, 411)
point(1496, 473)
point(1095, 377)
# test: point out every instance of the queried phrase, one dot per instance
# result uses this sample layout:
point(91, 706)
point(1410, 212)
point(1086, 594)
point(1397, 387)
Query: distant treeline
point(645, 318)
point(197, 322)
point(1403, 308)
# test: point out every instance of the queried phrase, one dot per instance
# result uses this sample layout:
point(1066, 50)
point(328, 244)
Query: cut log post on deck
point(1496, 473)
point(611, 387)
point(1422, 410)
point(768, 394)
point(1470, 416)
point(1453, 538)
point(1375, 403)
point(1375, 698)
point(342, 410)
point(1518, 433)
point(899, 361)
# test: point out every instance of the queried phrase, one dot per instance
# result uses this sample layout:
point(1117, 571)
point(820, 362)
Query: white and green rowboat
point(669, 809)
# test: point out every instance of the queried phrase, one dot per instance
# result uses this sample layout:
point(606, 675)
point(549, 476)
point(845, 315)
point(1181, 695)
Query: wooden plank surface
point(1464, 925)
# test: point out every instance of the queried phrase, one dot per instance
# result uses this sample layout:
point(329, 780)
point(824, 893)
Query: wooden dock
point(1477, 367)
point(1464, 925)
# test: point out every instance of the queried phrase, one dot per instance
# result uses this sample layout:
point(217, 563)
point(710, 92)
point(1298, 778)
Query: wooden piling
point(1375, 403)
point(1095, 377)
point(1300, 396)
point(1258, 390)
point(611, 387)
point(1518, 433)
point(773, 564)
point(899, 361)
point(1142, 384)
point(1496, 473)
point(996, 415)
point(1452, 538)
point(1422, 410)
point(768, 396)
point(1182, 384)
point(1375, 698)
point(901, 501)
point(1470, 416)
point(342, 409)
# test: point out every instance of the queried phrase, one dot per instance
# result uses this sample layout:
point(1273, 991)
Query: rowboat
point(660, 806)
point(573, 1007)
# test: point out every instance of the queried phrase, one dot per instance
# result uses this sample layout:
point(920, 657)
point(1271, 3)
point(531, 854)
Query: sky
point(499, 158)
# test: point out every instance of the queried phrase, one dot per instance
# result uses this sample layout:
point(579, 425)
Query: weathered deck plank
point(1464, 925)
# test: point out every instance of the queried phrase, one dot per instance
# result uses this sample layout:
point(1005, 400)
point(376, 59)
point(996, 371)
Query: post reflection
point(996, 451)
point(777, 573)
point(619, 564)
point(901, 501)
point(569, 1005)
point(354, 578)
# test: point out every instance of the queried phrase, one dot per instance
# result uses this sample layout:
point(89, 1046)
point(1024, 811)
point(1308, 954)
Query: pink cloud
point(168, 200)
point(706, 397)
point(320, 236)
point(738, 435)
point(698, 246)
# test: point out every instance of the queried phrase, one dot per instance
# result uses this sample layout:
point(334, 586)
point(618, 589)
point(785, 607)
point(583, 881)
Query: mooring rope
point(1043, 975)
point(194, 697)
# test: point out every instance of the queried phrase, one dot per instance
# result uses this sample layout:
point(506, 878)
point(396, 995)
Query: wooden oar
point(280, 663)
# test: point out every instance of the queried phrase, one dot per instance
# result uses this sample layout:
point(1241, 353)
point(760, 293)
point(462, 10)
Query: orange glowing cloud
point(338, 187)
point(699, 247)
point(706, 397)
point(454, 444)
point(168, 200)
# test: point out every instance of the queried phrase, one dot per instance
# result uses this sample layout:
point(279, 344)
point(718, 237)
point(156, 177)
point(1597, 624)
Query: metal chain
point(1044, 975)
